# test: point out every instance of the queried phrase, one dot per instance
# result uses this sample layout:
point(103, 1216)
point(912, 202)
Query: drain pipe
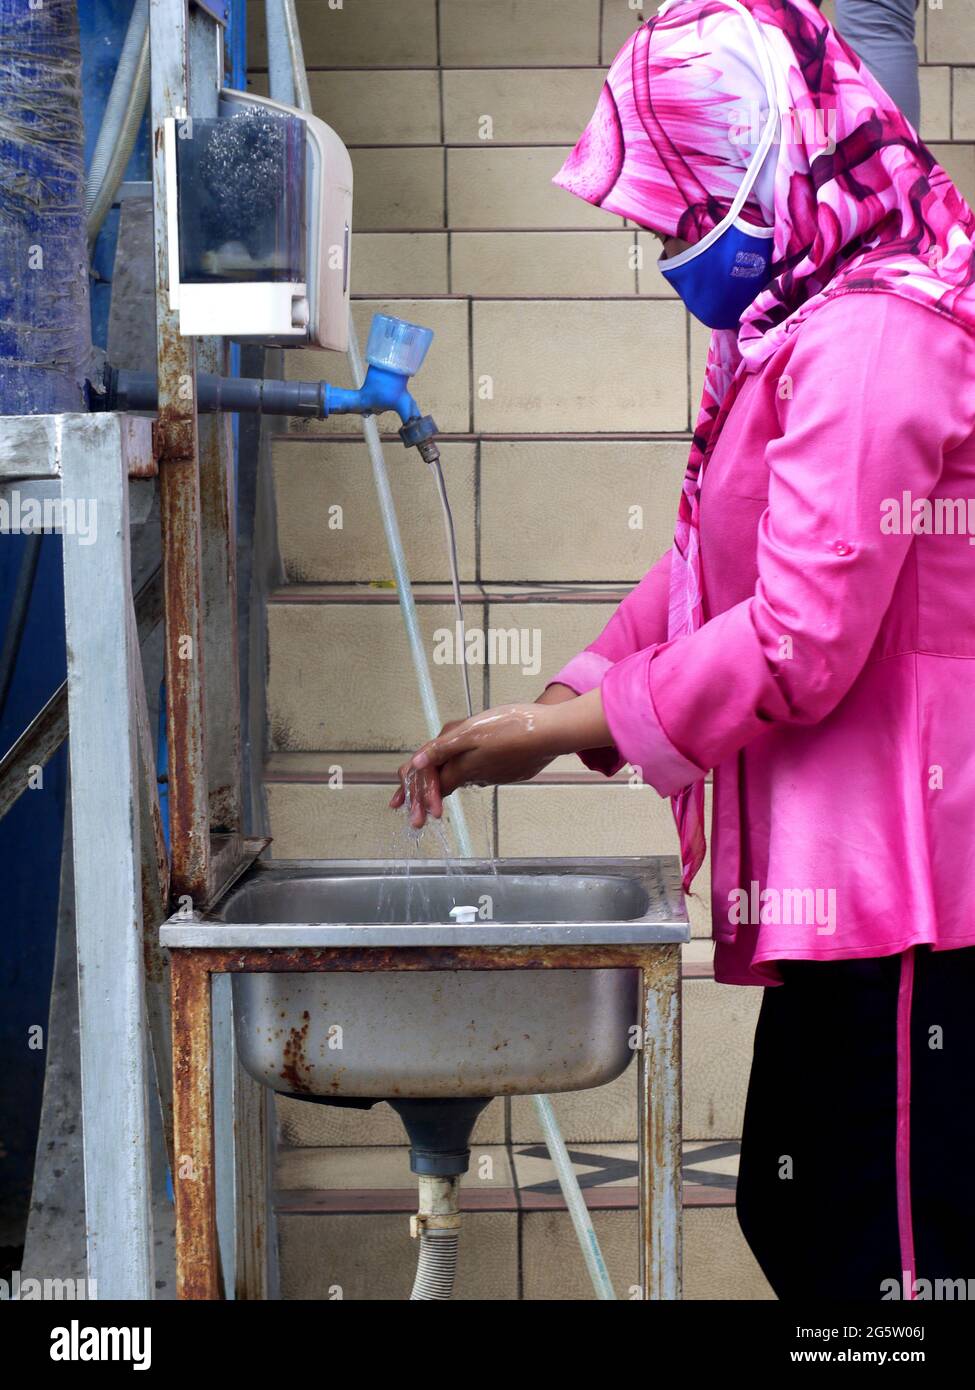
point(437, 1223)
point(439, 1129)
point(568, 1182)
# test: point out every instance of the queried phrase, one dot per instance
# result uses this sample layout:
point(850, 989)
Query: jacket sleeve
point(638, 622)
point(875, 403)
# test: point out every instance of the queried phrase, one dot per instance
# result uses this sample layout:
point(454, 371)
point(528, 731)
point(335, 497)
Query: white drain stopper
point(464, 916)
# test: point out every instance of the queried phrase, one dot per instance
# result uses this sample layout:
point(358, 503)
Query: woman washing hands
point(510, 743)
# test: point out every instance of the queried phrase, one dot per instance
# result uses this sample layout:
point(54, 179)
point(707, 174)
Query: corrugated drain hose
point(437, 1223)
point(436, 1268)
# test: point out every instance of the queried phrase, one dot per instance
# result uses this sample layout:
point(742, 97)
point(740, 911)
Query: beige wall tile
point(371, 1257)
point(718, 1034)
point(935, 103)
point(717, 1261)
point(964, 103)
point(606, 1115)
point(700, 342)
point(442, 386)
point(315, 821)
point(959, 161)
point(594, 819)
point(313, 477)
point(560, 366)
point(524, 32)
point(649, 279)
point(398, 189)
point(619, 21)
point(513, 189)
point(341, 675)
point(379, 108)
point(545, 636)
point(553, 106)
point(552, 1263)
point(542, 263)
point(362, 34)
point(563, 510)
point(951, 32)
point(399, 263)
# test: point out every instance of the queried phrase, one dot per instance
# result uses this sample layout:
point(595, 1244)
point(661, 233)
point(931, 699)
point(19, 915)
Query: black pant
point(818, 1181)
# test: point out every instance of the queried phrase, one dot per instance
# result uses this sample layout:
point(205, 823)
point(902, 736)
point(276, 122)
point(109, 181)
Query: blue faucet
point(394, 352)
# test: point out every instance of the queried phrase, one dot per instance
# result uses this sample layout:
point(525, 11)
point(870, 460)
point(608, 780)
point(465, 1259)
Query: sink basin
point(440, 1033)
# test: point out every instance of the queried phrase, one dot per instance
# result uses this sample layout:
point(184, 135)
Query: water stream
point(407, 840)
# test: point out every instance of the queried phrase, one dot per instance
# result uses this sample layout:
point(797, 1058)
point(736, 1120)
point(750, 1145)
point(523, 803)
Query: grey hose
point(436, 1268)
point(120, 123)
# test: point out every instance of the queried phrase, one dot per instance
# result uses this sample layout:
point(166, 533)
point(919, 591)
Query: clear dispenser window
point(241, 209)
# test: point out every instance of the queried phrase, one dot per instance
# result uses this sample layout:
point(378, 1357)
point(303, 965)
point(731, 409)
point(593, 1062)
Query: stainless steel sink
point(441, 1033)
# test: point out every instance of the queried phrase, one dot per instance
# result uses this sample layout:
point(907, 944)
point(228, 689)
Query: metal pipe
point(299, 74)
point(120, 124)
point(280, 63)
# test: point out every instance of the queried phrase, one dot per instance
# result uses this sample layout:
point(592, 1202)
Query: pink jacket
point(830, 689)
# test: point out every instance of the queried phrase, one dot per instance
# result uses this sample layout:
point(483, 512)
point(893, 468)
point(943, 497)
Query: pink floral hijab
point(857, 202)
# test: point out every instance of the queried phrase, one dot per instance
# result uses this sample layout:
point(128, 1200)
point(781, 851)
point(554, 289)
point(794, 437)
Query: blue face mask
point(719, 278)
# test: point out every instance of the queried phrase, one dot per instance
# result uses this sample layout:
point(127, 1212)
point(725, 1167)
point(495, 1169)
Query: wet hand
point(510, 743)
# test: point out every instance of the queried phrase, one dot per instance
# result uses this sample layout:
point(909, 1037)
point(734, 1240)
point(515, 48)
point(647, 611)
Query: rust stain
point(297, 1069)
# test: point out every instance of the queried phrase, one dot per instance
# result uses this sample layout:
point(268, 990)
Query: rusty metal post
point(660, 1136)
point(177, 450)
point(197, 1255)
point(219, 562)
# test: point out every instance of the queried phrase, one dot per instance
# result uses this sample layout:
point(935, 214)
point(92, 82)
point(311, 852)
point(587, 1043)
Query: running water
point(407, 838)
point(406, 861)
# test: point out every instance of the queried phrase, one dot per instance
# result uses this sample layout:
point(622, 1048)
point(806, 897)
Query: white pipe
point(120, 123)
point(568, 1182)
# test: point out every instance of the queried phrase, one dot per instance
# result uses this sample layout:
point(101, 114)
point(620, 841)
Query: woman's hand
point(510, 743)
